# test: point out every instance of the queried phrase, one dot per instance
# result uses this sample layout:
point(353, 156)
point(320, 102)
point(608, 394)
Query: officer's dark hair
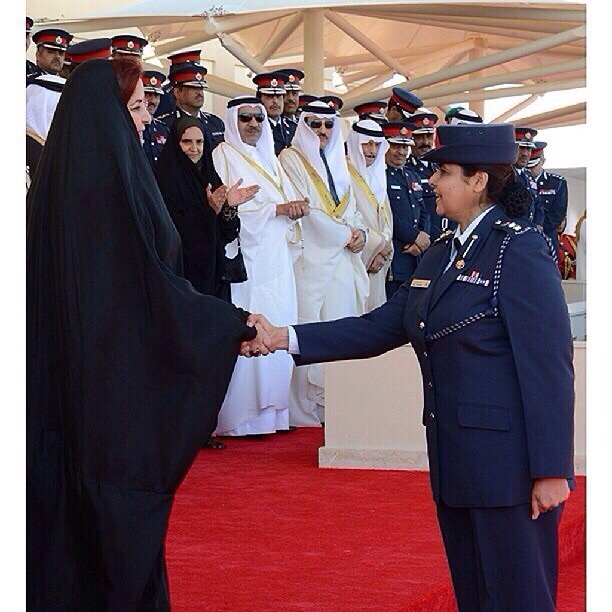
point(503, 187)
point(128, 72)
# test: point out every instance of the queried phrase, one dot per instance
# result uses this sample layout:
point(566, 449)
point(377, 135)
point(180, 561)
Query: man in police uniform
point(188, 84)
point(155, 133)
point(126, 45)
point(51, 45)
point(293, 88)
point(402, 104)
point(271, 91)
point(552, 192)
point(423, 136)
point(374, 110)
point(30, 66)
point(525, 140)
point(410, 216)
point(167, 102)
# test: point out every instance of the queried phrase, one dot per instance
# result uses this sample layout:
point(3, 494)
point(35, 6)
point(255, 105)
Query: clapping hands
point(268, 340)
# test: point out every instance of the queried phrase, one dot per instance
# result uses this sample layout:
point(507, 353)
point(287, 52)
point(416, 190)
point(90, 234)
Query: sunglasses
point(246, 117)
point(315, 124)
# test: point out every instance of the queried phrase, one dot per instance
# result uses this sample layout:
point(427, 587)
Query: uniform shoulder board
point(443, 236)
point(557, 176)
point(512, 227)
point(164, 116)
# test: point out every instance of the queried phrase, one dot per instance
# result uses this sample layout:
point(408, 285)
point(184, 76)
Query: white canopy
point(447, 52)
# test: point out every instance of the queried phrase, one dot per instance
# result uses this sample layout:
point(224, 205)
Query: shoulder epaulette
point(165, 116)
point(443, 236)
point(512, 227)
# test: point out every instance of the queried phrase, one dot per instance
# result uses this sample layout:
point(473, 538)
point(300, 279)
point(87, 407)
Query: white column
point(314, 59)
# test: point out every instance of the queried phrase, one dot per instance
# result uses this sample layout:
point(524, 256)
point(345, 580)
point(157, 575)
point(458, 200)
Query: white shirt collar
point(463, 236)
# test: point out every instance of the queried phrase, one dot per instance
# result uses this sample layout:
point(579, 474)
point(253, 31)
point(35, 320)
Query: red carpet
point(258, 527)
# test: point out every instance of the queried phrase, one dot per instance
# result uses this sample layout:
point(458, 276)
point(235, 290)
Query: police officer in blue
point(127, 45)
point(51, 45)
point(271, 92)
point(498, 380)
point(291, 101)
point(423, 135)
point(402, 104)
point(552, 192)
point(155, 133)
point(410, 217)
point(525, 140)
point(30, 66)
point(374, 110)
point(188, 84)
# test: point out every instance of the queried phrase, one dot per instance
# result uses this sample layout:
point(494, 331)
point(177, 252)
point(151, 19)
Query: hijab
point(183, 186)
point(127, 365)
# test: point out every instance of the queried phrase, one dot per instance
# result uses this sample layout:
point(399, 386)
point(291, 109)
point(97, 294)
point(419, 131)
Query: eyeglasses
point(246, 117)
point(315, 124)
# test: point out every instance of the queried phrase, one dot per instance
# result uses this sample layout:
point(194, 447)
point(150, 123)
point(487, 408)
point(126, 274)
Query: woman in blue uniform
point(486, 316)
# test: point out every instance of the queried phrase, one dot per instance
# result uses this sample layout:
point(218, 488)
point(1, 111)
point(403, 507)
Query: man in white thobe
point(257, 400)
point(332, 281)
point(366, 145)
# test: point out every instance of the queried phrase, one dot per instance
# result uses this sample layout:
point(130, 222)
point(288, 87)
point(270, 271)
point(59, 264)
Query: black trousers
point(500, 560)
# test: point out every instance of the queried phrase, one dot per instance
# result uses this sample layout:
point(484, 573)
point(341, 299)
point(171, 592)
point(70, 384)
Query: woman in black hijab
point(205, 223)
point(127, 363)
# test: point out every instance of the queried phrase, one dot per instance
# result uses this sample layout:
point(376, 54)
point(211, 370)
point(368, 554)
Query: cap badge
point(153, 81)
point(274, 82)
point(59, 40)
point(198, 76)
point(426, 121)
point(528, 136)
point(292, 78)
point(130, 44)
point(404, 131)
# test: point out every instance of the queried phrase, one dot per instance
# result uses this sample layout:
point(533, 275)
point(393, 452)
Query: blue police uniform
point(32, 70)
point(409, 218)
point(552, 193)
point(155, 136)
point(212, 126)
point(283, 131)
point(425, 169)
point(498, 387)
point(498, 401)
point(535, 214)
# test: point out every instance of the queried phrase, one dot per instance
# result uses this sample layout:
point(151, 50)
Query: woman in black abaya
point(127, 363)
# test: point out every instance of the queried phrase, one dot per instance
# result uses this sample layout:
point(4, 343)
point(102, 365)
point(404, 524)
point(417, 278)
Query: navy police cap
point(405, 99)
point(152, 81)
point(293, 76)
point(52, 38)
point(491, 143)
point(95, 48)
point(525, 136)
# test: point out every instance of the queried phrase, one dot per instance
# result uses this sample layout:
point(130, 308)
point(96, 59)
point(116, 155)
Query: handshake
point(269, 337)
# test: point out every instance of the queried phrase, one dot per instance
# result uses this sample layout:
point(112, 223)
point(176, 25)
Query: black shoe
point(211, 443)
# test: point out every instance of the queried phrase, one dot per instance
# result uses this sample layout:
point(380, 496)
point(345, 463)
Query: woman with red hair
point(127, 364)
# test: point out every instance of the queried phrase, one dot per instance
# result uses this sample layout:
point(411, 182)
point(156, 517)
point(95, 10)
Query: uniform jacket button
point(425, 354)
point(430, 385)
point(421, 325)
point(432, 416)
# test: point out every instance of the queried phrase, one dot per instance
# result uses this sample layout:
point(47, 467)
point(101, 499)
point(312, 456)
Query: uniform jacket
point(283, 132)
point(497, 375)
point(32, 70)
point(214, 128)
point(552, 191)
point(425, 169)
point(535, 214)
point(409, 217)
point(155, 136)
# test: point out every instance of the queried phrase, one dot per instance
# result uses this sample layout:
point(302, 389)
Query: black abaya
point(127, 364)
point(203, 233)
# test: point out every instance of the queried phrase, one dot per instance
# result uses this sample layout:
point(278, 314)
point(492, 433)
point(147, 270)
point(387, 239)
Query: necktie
point(330, 180)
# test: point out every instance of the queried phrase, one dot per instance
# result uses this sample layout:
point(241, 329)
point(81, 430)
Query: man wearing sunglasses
point(257, 401)
point(271, 93)
point(331, 278)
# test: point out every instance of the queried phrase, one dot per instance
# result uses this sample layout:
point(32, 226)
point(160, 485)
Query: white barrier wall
point(373, 412)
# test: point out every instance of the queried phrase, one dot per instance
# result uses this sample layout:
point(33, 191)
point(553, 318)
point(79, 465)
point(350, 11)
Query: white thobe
point(332, 282)
point(257, 400)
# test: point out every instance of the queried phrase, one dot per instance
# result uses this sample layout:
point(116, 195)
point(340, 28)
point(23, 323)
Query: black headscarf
point(127, 365)
point(183, 187)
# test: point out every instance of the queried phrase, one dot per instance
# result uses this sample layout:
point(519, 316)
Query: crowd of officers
point(407, 125)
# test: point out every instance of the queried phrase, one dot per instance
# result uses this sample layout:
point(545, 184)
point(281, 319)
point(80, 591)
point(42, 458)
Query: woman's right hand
point(295, 209)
